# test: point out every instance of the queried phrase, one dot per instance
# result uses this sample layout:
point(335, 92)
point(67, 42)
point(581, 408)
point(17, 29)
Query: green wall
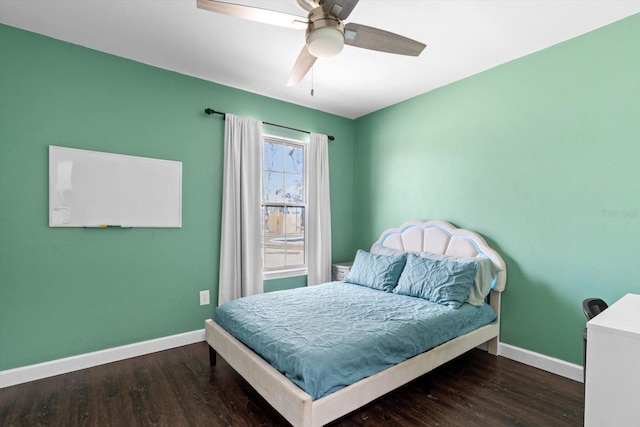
point(541, 156)
point(65, 292)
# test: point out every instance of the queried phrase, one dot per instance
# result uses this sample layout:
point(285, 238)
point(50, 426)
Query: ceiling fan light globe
point(324, 42)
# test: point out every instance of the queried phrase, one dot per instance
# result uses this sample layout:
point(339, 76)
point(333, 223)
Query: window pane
point(274, 237)
point(273, 158)
point(273, 186)
point(294, 236)
point(283, 237)
point(294, 162)
point(294, 190)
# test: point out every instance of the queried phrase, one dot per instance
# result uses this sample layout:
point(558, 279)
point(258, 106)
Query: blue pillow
point(444, 281)
point(376, 271)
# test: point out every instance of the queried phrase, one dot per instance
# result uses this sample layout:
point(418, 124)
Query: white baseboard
point(25, 374)
point(540, 361)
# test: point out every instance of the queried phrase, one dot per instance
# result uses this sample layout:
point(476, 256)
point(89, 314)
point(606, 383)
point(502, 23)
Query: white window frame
point(297, 270)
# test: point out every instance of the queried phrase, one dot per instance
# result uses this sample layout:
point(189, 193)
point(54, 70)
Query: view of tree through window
point(283, 204)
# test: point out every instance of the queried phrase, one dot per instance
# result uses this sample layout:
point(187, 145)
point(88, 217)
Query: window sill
point(282, 274)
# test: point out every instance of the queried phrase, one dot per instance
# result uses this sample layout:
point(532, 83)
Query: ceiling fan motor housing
point(325, 34)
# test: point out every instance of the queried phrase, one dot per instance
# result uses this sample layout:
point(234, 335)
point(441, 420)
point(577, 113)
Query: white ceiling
point(462, 37)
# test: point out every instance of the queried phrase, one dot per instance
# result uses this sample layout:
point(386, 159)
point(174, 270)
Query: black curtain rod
point(212, 111)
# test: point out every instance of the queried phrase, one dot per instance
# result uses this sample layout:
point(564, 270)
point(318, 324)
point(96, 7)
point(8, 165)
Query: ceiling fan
point(326, 32)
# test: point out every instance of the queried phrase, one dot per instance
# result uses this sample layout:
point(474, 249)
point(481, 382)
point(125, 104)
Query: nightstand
point(340, 270)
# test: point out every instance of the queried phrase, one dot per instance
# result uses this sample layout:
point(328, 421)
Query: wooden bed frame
point(298, 408)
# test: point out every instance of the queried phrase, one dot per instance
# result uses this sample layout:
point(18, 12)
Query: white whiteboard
point(96, 189)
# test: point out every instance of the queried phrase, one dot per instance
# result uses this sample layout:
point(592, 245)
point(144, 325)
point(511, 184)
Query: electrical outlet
point(204, 297)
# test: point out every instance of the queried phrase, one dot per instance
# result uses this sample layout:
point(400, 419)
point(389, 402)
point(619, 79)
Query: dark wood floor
point(178, 388)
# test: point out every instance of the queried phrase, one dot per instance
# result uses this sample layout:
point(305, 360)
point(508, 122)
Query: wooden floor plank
point(178, 388)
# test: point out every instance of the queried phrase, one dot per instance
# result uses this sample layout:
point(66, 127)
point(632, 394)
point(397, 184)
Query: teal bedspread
point(326, 337)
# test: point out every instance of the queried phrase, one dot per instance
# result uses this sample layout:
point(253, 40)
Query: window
point(284, 203)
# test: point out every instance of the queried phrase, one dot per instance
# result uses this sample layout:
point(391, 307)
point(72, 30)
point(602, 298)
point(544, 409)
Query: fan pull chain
point(311, 81)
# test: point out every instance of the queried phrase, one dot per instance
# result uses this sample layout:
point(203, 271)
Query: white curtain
point(241, 234)
point(319, 215)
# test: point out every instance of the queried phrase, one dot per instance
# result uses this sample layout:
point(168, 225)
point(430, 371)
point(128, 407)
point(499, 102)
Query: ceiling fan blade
point(339, 8)
point(302, 66)
point(254, 14)
point(358, 35)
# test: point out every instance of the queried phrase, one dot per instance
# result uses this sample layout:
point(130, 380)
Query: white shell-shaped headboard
point(440, 237)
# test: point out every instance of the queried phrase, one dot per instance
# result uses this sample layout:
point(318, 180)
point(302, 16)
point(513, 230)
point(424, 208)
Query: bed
point(307, 400)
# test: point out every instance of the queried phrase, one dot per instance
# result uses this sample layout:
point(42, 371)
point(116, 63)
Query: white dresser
point(612, 389)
